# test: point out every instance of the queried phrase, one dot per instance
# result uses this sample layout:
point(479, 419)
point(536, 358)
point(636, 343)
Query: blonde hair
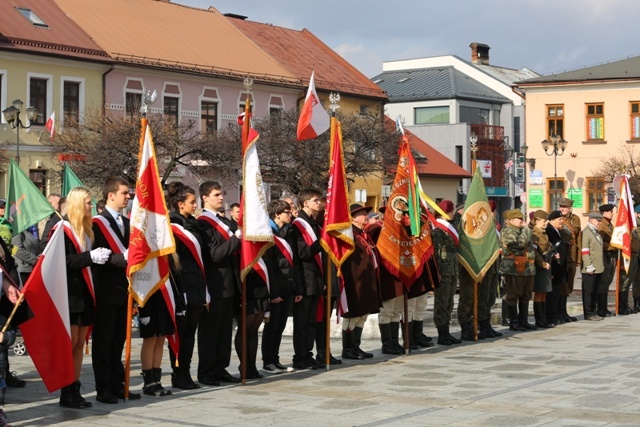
point(76, 212)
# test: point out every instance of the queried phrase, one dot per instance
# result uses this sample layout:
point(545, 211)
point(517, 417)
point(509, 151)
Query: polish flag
point(51, 124)
point(625, 222)
point(47, 335)
point(314, 119)
point(151, 239)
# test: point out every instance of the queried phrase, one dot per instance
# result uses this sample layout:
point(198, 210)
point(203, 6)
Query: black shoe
point(302, 364)
point(596, 317)
point(226, 377)
point(332, 360)
point(106, 397)
point(544, 325)
point(315, 364)
point(182, 380)
point(351, 355)
point(132, 396)
point(604, 314)
point(208, 381)
point(391, 350)
point(12, 380)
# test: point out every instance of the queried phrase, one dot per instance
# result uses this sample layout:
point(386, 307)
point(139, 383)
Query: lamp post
point(12, 116)
point(557, 146)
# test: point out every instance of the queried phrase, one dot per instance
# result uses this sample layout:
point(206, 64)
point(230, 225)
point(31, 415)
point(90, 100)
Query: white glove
point(100, 255)
point(238, 233)
point(126, 255)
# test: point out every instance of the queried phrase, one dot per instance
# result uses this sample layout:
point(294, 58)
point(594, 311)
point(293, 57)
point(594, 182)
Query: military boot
point(514, 324)
point(418, 335)
point(388, 346)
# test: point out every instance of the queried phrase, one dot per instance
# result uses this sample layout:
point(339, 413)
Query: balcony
point(491, 147)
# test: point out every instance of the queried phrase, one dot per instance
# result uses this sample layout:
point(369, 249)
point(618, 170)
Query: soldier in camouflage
point(517, 268)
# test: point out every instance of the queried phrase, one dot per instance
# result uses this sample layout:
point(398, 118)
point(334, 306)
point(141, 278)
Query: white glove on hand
point(238, 233)
point(126, 255)
point(100, 255)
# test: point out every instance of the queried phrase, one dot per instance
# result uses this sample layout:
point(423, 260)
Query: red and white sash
point(115, 244)
point(189, 240)
point(309, 237)
point(169, 300)
point(217, 223)
point(86, 271)
point(285, 248)
point(444, 225)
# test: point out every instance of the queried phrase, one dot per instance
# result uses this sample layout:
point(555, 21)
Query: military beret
point(565, 202)
point(513, 214)
point(446, 205)
point(554, 215)
point(540, 214)
point(606, 208)
point(595, 215)
point(637, 209)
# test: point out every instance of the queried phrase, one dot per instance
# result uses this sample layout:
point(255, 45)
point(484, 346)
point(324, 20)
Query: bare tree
point(625, 161)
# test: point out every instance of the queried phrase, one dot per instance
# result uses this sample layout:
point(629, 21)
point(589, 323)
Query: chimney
point(479, 53)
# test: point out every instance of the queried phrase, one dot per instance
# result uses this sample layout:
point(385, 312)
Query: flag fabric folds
point(403, 254)
point(625, 223)
point(151, 238)
point(50, 125)
point(314, 119)
point(69, 181)
point(478, 246)
point(257, 235)
point(47, 335)
point(27, 205)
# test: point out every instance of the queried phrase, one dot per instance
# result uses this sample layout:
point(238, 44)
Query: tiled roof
point(162, 34)
point(429, 161)
point(434, 83)
point(59, 36)
point(301, 53)
point(624, 69)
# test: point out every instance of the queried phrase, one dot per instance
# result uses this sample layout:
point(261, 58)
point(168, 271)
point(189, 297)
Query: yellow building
point(591, 114)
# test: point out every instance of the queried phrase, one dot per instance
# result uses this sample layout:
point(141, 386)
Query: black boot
point(157, 374)
point(76, 390)
point(443, 336)
point(563, 308)
point(540, 313)
point(332, 360)
point(181, 378)
point(395, 333)
point(418, 335)
point(505, 314)
point(636, 305)
point(524, 316)
point(453, 339)
point(152, 386)
point(357, 340)
point(412, 341)
point(348, 347)
point(514, 324)
point(603, 302)
point(388, 346)
point(466, 333)
point(68, 398)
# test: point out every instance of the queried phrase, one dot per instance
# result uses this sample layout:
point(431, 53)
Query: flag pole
point(329, 276)
point(405, 324)
point(617, 284)
point(474, 149)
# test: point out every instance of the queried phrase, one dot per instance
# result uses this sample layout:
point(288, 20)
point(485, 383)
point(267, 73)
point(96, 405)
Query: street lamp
point(557, 146)
point(12, 116)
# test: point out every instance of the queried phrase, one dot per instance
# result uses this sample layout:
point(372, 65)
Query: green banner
point(536, 198)
point(69, 181)
point(575, 194)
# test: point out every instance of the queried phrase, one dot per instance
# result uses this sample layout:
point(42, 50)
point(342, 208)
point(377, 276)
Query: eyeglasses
point(287, 212)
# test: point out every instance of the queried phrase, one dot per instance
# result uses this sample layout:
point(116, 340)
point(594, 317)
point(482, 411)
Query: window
point(171, 110)
point(635, 120)
point(32, 17)
point(71, 102)
point(38, 98)
point(133, 103)
point(474, 116)
point(555, 121)
point(555, 192)
point(595, 121)
point(431, 115)
point(364, 110)
point(208, 117)
point(241, 104)
point(596, 193)
point(39, 178)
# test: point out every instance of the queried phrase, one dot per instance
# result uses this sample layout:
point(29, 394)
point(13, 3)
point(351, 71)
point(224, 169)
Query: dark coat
point(221, 261)
point(110, 279)
point(284, 278)
point(27, 251)
point(309, 268)
point(189, 278)
point(361, 277)
point(558, 265)
point(77, 287)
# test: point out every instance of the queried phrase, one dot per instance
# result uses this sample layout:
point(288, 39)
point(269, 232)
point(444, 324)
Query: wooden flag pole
point(617, 285)
point(243, 324)
point(329, 282)
point(475, 310)
point(405, 324)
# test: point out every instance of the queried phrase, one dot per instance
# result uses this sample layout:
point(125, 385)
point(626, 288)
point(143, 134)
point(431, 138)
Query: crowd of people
point(537, 260)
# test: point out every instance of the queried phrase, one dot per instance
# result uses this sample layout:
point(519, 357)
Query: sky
point(547, 36)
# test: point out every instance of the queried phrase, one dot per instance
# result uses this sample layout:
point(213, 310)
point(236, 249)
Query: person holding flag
point(190, 278)
point(80, 257)
point(610, 258)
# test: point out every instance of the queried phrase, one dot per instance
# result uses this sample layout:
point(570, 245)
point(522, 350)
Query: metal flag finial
point(148, 99)
point(334, 98)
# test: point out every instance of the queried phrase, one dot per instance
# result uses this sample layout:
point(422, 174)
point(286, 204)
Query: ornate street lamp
point(557, 146)
point(12, 116)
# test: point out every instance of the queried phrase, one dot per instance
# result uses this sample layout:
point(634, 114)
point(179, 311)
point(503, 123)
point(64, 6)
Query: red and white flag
point(337, 234)
point(314, 119)
point(47, 335)
point(625, 223)
point(151, 239)
point(257, 235)
point(51, 125)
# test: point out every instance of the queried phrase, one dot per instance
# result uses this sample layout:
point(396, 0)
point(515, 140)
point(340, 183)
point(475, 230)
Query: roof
point(162, 34)
point(434, 83)
point(429, 161)
point(54, 35)
point(625, 69)
point(301, 53)
point(507, 76)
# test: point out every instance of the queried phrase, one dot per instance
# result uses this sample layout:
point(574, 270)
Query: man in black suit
point(111, 230)
point(222, 267)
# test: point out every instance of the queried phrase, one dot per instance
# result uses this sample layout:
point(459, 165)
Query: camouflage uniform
point(447, 259)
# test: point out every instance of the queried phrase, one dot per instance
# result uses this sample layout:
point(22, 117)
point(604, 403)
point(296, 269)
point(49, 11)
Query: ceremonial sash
point(217, 223)
point(169, 300)
point(189, 240)
point(86, 271)
point(285, 248)
point(115, 244)
point(448, 228)
point(309, 237)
